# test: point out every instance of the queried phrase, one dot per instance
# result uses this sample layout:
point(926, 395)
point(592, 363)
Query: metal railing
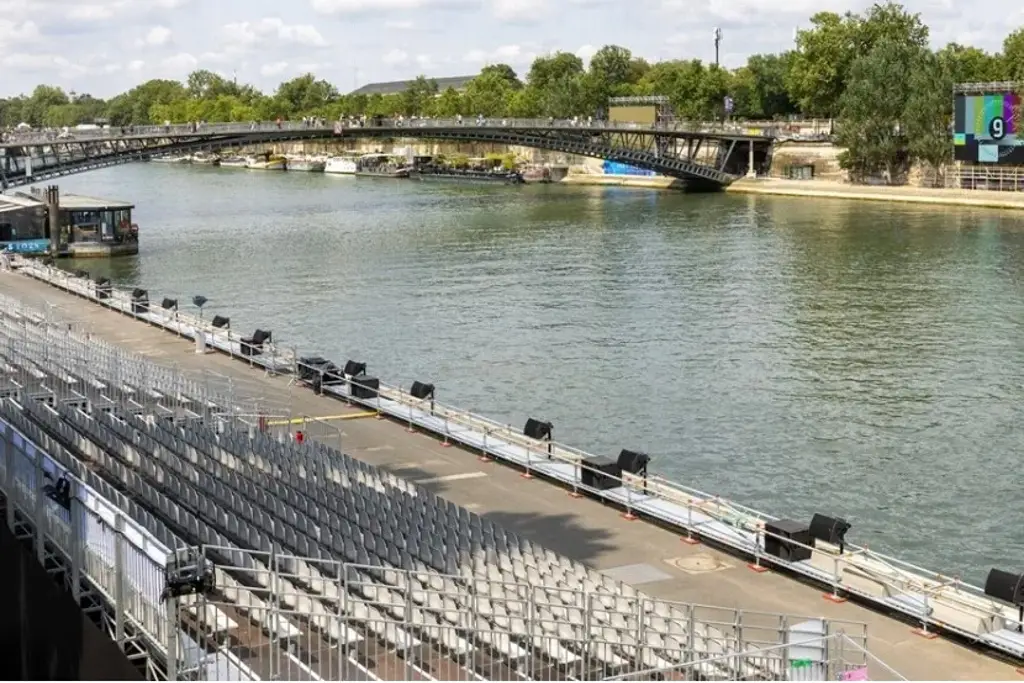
point(189, 130)
point(933, 599)
point(832, 658)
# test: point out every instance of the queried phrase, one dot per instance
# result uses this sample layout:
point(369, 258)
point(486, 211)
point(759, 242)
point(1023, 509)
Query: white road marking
point(451, 477)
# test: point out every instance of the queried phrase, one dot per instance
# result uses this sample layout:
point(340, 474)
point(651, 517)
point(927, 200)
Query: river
point(853, 358)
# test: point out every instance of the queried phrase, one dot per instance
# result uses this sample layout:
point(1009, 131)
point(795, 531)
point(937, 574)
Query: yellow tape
point(305, 420)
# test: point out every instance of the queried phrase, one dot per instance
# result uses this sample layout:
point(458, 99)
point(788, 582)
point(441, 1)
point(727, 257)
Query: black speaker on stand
point(422, 391)
point(634, 462)
point(1007, 587)
point(140, 301)
point(781, 537)
point(830, 530)
point(539, 430)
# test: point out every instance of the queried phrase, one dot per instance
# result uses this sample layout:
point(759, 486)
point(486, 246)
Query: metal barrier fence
point(933, 599)
point(832, 658)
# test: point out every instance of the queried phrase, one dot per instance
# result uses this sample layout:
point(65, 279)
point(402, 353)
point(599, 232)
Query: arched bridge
point(707, 157)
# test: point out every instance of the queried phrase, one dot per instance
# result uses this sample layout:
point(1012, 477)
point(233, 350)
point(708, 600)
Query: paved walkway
point(824, 189)
point(582, 529)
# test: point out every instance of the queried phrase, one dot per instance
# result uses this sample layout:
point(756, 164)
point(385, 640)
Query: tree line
point(874, 73)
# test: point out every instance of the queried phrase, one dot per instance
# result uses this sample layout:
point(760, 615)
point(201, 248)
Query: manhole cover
point(697, 564)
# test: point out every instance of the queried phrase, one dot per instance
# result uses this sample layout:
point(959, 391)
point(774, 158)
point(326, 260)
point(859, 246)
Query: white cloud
point(521, 10)
point(368, 6)
point(585, 52)
point(12, 33)
point(180, 64)
point(245, 35)
point(95, 46)
point(275, 69)
point(506, 54)
point(395, 57)
point(155, 37)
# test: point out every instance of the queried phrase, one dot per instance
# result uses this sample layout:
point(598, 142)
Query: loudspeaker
point(633, 462)
point(260, 337)
point(791, 530)
point(829, 529)
point(599, 472)
point(536, 429)
point(168, 304)
point(199, 300)
point(140, 300)
point(421, 390)
point(353, 368)
point(1005, 586)
point(309, 367)
point(103, 288)
point(84, 274)
point(365, 388)
point(220, 321)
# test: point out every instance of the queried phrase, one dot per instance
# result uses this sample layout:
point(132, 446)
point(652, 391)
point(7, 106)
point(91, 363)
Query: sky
point(103, 47)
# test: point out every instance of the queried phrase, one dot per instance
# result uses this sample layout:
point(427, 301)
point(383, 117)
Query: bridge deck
point(579, 528)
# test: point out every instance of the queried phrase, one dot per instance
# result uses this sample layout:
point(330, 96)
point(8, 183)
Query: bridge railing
point(347, 126)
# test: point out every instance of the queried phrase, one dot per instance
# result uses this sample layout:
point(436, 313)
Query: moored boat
point(267, 162)
point(234, 162)
point(341, 165)
point(440, 173)
point(306, 163)
point(171, 159)
point(205, 159)
point(381, 166)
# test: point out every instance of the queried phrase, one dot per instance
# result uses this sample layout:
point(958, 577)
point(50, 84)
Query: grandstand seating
point(341, 569)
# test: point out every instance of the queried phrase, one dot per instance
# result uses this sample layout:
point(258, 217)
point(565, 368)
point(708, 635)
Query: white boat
point(205, 158)
point(171, 159)
point(267, 162)
point(306, 163)
point(234, 162)
point(342, 165)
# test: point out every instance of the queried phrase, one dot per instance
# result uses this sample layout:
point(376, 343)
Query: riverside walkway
point(582, 529)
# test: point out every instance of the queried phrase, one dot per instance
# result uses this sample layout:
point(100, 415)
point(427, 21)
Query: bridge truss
point(706, 159)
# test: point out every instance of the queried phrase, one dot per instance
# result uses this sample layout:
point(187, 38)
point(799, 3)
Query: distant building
point(89, 226)
point(459, 83)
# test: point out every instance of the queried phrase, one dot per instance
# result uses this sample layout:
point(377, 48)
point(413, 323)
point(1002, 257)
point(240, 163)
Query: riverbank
point(823, 189)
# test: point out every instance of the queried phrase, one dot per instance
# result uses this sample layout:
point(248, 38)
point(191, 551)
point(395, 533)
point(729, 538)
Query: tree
point(874, 107)
point(39, 103)
point(818, 72)
point(416, 98)
point(559, 67)
point(488, 94)
point(965, 64)
point(303, 94)
point(767, 97)
point(503, 72)
point(447, 105)
point(1013, 56)
point(928, 115)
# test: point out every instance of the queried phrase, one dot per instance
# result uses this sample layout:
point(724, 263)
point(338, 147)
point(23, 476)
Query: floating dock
point(698, 547)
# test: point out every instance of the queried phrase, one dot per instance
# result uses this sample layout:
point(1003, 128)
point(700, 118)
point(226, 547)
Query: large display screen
point(986, 128)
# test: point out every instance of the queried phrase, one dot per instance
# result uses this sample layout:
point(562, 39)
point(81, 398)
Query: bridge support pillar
point(53, 218)
point(751, 173)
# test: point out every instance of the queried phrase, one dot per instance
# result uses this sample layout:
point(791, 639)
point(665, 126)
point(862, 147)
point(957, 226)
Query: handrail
point(976, 614)
point(211, 130)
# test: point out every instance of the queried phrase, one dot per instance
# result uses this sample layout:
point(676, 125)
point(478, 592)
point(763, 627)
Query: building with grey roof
point(459, 83)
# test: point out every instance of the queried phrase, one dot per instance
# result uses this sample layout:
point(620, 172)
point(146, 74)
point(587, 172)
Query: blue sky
point(104, 46)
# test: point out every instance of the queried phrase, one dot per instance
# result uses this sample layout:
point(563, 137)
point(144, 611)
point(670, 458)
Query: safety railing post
point(445, 442)
point(526, 474)
point(628, 514)
point(756, 564)
point(119, 581)
point(484, 454)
